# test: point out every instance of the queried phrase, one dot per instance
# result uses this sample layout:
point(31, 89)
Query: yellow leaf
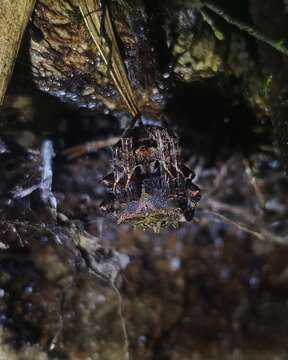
point(14, 16)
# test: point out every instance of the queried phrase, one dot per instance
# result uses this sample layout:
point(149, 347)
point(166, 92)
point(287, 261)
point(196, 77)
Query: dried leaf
point(14, 16)
point(99, 23)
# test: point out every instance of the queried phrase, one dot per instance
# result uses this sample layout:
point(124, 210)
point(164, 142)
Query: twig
point(277, 45)
point(122, 320)
point(216, 205)
point(238, 225)
point(47, 154)
point(58, 333)
point(218, 33)
point(218, 180)
point(261, 234)
point(254, 183)
point(93, 146)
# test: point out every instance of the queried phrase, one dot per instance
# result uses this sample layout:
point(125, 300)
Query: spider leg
point(129, 177)
point(163, 163)
point(117, 180)
point(131, 125)
point(179, 171)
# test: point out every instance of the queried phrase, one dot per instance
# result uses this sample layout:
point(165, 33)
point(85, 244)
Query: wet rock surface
point(66, 63)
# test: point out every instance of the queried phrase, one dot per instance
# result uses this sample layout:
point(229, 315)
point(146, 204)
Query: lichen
point(196, 58)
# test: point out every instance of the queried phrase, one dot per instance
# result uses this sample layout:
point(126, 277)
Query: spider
point(150, 187)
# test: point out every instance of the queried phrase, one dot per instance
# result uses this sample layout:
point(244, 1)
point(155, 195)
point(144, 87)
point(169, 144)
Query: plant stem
point(277, 45)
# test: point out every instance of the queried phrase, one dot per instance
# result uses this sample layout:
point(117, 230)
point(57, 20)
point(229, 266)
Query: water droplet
point(225, 274)
point(3, 319)
point(142, 339)
point(124, 260)
point(218, 242)
point(175, 264)
point(254, 282)
point(44, 239)
point(275, 164)
point(28, 290)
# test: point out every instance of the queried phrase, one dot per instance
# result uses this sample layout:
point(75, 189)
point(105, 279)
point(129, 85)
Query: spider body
point(150, 187)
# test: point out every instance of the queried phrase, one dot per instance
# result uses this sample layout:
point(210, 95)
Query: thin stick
point(122, 320)
point(92, 146)
point(235, 210)
point(254, 183)
point(261, 234)
point(277, 45)
point(238, 225)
